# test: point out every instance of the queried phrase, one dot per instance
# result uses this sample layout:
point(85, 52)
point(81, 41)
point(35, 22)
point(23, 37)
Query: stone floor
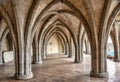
point(59, 68)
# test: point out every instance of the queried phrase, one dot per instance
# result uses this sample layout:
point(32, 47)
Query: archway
point(110, 47)
point(54, 45)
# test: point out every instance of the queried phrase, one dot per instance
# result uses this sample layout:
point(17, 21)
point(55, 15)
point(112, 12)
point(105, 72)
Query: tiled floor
point(59, 68)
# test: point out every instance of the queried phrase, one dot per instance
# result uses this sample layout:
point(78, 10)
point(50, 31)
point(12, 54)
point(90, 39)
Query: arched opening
point(113, 35)
point(110, 49)
point(7, 55)
point(54, 45)
point(62, 23)
point(52, 11)
point(60, 31)
point(112, 40)
point(6, 44)
point(7, 50)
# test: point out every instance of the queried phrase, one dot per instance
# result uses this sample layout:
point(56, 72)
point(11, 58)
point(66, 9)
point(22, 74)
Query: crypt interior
point(59, 40)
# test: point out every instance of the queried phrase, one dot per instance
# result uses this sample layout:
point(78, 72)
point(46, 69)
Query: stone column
point(70, 48)
point(81, 45)
point(87, 47)
point(43, 50)
point(36, 56)
point(81, 42)
point(63, 43)
point(65, 47)
point(99, 62)
point(23, 65)
point(78, 57)
point(1, 58)
point(69, 52)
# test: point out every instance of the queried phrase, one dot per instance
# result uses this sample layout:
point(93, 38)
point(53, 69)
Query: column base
point(77, 61)
point(69, 56)
point(116, 60)
point(34, 62)
point(101, 75)
point(24, 77)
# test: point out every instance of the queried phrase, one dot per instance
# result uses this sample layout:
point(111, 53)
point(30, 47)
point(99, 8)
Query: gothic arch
point(111, 20)
point(107, 27)
point(63, 36)
point(78, 14)
point(58, 36)
point(55, 20)
point(113, 38)
point(49, 29)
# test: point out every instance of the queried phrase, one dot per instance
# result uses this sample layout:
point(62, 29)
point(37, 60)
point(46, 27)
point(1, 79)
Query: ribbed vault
point(29, 23)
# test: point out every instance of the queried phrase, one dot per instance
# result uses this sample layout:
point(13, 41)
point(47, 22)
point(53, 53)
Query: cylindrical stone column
point(1, 58)
point(98, 64)
point(23, 65)
point(87, 47)
point(36, 56)
point(78, 58)
point(70, 48)
point(43, 51)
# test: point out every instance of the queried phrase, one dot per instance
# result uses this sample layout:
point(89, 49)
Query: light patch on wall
point(8, 56)
point(110, 47)
point(109, 40)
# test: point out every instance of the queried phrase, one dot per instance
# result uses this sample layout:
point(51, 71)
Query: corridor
point(60, 68)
